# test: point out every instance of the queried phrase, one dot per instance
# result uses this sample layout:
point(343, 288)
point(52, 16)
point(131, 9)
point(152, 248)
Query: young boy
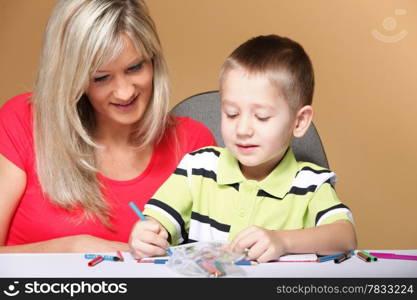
point(253, 193)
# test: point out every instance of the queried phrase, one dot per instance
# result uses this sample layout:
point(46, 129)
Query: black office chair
point(205, 107)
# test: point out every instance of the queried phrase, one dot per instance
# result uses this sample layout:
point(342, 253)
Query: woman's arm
point(12, 185)
point(75, 243)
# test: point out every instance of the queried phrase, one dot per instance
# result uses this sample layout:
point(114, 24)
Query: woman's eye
point(100, 78)
point(136, 67)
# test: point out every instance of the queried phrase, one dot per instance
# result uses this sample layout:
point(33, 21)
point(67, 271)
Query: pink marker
point(393, 256)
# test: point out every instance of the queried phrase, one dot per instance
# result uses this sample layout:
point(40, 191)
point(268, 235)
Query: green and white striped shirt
point(207, 198)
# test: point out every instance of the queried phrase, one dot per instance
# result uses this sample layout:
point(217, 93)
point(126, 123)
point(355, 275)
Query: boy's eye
point(263, 119)
point(100, 78)
point(231, 116)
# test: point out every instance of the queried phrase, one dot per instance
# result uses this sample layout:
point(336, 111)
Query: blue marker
point(105, 257)
point(331, 257)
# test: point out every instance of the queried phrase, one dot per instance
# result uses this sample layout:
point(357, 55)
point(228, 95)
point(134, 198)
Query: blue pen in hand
point(143, 218)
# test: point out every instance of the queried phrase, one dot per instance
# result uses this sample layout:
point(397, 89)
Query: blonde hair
point(80, 36)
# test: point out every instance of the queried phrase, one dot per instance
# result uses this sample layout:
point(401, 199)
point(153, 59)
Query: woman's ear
point(302, 121)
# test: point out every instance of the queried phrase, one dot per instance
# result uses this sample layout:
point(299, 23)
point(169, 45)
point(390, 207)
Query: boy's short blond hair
point(283, 60)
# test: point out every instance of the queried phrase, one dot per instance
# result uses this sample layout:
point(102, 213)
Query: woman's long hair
point(80, 36)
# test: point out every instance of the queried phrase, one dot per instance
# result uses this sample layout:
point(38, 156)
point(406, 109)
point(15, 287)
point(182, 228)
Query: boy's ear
point(302, 121)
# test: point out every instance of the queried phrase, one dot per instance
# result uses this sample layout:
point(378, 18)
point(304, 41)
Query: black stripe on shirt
point(306, 168)
point(301, 191)
point(213, 223)
point(173, 213)
point(235, 186)
point(205, 173)
point(262, 193)
point(321, 213)
point(210, 150)
point(180, 171)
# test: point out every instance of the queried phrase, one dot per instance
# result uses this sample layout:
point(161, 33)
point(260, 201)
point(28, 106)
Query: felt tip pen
point(369, 255)
point(246, 263)
point(95, 261)
point(159, 261)
point(394, 256)
point(105, 257)
point(329, 257)
point(119, 254)
point(342, 258)
point(363, 256)
point(143, 218)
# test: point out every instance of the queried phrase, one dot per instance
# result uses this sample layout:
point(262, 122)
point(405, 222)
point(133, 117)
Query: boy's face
point(257, 123)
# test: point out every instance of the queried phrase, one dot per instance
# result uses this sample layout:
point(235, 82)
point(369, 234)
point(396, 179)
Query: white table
point(75, 266)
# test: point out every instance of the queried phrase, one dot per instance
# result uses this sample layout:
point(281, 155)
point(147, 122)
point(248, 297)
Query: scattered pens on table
point(95, 261)
point(165, 260)
point(143, 218)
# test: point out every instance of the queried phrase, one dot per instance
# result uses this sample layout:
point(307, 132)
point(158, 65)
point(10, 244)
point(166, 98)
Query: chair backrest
point(205, 107)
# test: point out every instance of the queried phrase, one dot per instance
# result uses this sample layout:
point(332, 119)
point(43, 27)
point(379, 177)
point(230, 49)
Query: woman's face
point(120, 90)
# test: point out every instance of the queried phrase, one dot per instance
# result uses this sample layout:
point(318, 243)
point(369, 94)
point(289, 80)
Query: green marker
point(368, 255)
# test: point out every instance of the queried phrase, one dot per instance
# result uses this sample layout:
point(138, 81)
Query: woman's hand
point(148, 238)
point(263, 244)
point(88, 243)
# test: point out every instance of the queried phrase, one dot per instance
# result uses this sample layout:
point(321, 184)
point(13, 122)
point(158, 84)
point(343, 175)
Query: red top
point(37, 219)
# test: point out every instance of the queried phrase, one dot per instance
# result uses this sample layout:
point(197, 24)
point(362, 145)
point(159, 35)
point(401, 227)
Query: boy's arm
point(336, 237)
point(172, 203)
point(265, 245)
point(328, 229)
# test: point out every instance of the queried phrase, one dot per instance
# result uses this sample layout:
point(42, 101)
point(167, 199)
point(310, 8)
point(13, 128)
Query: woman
point(94, 135)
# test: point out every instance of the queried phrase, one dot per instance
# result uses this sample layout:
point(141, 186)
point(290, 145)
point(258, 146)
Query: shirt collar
point(277, 183)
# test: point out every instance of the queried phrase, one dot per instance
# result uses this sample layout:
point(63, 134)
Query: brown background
point(365, 100)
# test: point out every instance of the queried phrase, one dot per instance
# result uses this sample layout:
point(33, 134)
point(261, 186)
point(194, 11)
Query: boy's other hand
point(148, 238)
point(263, 244)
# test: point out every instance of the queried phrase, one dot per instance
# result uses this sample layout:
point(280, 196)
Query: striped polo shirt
point(207, 198)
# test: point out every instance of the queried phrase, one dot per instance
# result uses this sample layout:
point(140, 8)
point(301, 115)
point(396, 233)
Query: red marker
point(119, 254)
point(95, 261)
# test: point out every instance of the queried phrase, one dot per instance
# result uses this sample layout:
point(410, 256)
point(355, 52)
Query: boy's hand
point(263, 244)
point(148, 238)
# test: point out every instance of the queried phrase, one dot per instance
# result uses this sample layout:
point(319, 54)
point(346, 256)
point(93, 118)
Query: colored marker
point(137, 211)
point(369, 255)
point(143, 218)
point(394, 256)
point(105, 257)
point(119, 254)
point(95, 261)
point(342, 258)
point(246, 262)
point(363, 256)
point(209, 268)
point(159, 261)
point(329, 257)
